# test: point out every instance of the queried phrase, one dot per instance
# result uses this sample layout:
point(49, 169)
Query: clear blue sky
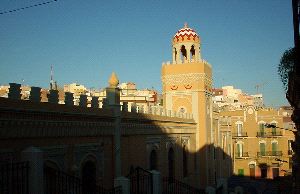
point(86, 40)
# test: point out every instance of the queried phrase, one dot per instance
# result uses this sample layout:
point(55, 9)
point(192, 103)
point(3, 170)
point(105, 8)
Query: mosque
point(112, 146)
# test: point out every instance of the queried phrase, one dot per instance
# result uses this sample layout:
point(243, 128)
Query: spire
point(113, 80)
point(53, 84)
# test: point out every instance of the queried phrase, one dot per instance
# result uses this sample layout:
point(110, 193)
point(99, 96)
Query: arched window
point(183, 53)
point(153, 160)
point(88, 177)
point(171, 163)
point(185, 161)
point(192, 51)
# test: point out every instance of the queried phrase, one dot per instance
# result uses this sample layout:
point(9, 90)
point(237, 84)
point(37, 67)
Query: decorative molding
point(171, 142)
point(55, 154)
point(185, 140)
point(186, 79)
point(153, 143)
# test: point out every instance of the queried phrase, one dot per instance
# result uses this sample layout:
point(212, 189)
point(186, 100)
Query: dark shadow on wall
point(73, 137)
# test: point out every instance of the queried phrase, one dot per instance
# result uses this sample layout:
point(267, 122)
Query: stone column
point(178, 60)
point(53, 96)
point(14, 91)
point(36, 169)
point(174, 55)
point(188, 54)
point(124, 183)
point(156, 182)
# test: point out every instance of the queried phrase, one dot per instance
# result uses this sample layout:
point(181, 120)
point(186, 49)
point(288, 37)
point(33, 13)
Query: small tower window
point(192, 51)
point(183, 53)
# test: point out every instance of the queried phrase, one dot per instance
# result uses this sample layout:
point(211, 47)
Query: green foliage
point(286, 65)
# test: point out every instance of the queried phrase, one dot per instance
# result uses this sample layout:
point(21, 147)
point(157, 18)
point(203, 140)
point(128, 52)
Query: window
point(273, 128)
point(261, 129)
point(262, 148)
point(239, 129)
point(274, 148)
point(239, 150)
point(290, 150)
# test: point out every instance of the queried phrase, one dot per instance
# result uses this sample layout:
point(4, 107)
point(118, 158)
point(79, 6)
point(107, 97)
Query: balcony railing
point(261, 134)
point(269, 134)
point(242, 134)
point(241, 155)
point(275, 133)
point(269, 153)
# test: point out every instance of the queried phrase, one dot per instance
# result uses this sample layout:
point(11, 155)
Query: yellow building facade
point(259, 150)
point(187, 83)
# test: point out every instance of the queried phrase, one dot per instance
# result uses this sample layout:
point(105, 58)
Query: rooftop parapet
point(35, 97)
point(192, 61)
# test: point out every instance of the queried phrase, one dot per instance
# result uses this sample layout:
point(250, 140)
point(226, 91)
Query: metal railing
point(275, 133)
point(261, 134)
point(141, 181)
point(58, 182)
point(269, 153)
point(241, 155)
point(173, 186)
point(14, 177)
point(269, 134)
point(242, 134)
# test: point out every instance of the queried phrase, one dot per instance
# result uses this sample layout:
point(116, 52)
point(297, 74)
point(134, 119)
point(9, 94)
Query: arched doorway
point(171, 163)
point(153, 160)
point(88, 177)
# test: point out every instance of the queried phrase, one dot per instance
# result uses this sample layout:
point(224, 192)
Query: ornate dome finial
point(113, 80)
point(186, 25)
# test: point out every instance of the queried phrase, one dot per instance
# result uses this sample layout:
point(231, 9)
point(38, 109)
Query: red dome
point(186, 31)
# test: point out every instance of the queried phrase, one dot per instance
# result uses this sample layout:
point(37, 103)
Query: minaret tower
point(187, 83)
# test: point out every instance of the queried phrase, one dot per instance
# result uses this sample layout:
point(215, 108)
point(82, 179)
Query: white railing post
point(156, 182)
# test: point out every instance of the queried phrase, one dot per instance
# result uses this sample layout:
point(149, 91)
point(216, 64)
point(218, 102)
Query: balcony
point(269, 134)
point(261, 134)
point(269, 153)
point(240, 155)
point(275, 133)
point(241, 134)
